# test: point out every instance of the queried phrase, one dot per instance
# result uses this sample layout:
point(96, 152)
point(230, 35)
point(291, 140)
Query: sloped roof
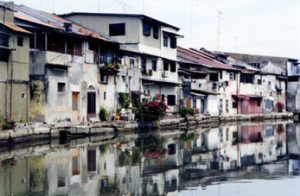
point(141, 16)
point(196, 57)
point(14, 27)
point(55, 22)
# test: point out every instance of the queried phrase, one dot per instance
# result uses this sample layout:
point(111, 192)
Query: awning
point(197, 95)
point(171, 32)
point(205, 92)
point(247, 97)
point(159, 82)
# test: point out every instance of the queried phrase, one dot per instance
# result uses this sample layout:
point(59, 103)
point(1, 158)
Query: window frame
point(117, 29)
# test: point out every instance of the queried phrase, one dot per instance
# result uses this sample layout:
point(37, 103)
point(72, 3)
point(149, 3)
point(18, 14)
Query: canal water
point(254, 159)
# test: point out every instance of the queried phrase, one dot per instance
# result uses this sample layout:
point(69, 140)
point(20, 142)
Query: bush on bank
point(151, 109)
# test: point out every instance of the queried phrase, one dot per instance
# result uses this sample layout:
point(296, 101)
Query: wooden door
point(188, 103)
point(75, 107)
point(91, 105)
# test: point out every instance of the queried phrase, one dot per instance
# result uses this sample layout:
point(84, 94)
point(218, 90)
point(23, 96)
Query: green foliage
point(7, 123)
point(183, 112)
point(103, 114)
point(187, 137)
point(104, 148)
point(124, 100)
point(124, 158)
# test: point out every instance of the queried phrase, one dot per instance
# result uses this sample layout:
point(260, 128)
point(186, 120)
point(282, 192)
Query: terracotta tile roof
point(189, 55)
point(55, 22)
point(15, 28)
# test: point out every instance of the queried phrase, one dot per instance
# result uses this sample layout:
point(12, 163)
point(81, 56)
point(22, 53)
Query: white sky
point(267, 27)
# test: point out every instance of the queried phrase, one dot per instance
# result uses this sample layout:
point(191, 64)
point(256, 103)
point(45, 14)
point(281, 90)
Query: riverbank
point(31, 132)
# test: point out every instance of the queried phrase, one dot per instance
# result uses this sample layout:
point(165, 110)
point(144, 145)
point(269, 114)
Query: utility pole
point(219, 30)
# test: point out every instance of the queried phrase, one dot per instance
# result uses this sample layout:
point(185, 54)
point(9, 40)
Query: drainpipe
point(237, 91)
point(11, 88)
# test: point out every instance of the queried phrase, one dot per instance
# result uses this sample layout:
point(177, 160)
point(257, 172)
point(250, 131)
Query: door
point(75, 107)
point(188, 103)
point(91, 104)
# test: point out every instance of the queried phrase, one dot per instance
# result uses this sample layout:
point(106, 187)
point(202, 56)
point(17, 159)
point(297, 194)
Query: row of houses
point(68, 67)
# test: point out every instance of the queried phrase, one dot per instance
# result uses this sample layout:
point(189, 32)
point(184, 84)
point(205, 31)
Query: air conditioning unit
point(165, 74)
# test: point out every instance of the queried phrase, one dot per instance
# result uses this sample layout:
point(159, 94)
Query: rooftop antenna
point(123, 5)
point(191, 23)
point(219, 30)
point(143, 6)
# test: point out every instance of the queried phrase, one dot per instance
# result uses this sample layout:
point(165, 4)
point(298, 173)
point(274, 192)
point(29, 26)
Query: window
point(104, 95)
point(166, 66)
point(173, 67)
point(143, 66)
point(258, 103)
point(221, 74)
point(23, 96)
point(247, 78)
point(20, 41)
point(166, 40)
point(173, 42)
point(259, 81)
point(171, 149)
point(171, 100)
point(117, 29)
point(227, 105)
point(234, 104)
point(269, 83)
point(146, 29)
point(61, 87)
point(131, 62)
point(154, 65)
point(213, 77)
point(155, 32)
point(232, 76)
point(104, 78)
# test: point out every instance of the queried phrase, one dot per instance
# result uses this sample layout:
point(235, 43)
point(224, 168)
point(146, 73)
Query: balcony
point(54, 58)
point(205, 86)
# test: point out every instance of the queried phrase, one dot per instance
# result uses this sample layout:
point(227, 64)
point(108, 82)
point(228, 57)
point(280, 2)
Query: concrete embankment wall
point(26, 133)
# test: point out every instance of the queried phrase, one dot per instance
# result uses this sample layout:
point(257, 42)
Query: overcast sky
point(268, 27)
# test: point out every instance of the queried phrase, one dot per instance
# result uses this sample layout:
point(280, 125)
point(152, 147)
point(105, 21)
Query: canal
point(231, 160)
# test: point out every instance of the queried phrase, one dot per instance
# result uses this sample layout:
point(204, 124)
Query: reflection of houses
point(231, 147)
point(14, 66)
point(65, 61)
point(149, 47)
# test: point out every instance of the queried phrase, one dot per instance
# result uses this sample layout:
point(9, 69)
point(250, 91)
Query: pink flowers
point(154, 108)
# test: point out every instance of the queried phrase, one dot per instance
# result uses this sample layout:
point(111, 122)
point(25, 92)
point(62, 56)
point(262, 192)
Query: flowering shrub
point(151, 109)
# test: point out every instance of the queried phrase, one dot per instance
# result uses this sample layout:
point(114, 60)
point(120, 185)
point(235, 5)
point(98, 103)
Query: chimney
point(7, 11)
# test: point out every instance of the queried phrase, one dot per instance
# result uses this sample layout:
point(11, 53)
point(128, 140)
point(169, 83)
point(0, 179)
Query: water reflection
point(155, 164)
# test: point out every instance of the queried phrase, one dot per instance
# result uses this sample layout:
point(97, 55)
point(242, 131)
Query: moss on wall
point(37, 101)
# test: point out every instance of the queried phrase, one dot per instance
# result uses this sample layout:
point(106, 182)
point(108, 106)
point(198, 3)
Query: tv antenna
point(124, 5)
point(219, 30)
